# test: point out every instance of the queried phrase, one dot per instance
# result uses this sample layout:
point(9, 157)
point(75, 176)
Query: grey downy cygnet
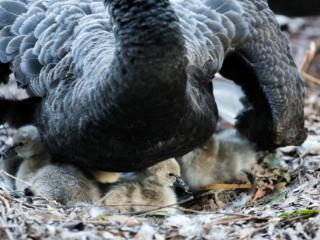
point(27, 144)
point(60, 182)
point(65, 184)
point(226, 157)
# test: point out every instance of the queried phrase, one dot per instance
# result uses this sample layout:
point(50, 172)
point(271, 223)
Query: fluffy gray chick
point(63, 183)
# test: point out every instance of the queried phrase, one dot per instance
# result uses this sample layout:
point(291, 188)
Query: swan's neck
point(150, 61)
point(140, 112)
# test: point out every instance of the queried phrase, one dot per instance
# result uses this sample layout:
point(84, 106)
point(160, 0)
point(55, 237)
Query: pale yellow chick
point(225, 158)
point(152, 188)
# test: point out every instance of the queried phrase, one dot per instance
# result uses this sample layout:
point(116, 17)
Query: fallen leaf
point(223, 186)
point(260, 193)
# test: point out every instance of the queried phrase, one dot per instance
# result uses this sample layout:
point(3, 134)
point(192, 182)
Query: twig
point(310, 54)
point(142, 205)
point(223, 213)
point(13, 177)
point(6, 230)
point(7, 196)
point(244, 215)
point(28, 184)
point(193, 211)
point(123, 205)
point(294, 219)
point(25, 204)
point(232, 219)
point(310, 78)
point(140, 213)
point(4, 202)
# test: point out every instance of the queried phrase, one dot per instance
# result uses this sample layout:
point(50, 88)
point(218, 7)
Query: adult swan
point(121, 84)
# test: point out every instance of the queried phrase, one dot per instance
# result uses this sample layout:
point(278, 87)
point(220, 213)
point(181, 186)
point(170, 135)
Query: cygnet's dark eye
point(20, 144)
point(171, 175)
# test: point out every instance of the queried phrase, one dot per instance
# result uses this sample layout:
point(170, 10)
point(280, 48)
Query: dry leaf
point(224, 186)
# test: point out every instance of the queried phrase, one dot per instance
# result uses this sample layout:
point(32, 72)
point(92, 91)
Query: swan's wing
point(47, 38)
point(280, 89)
point(242, 40)
point(211, 30)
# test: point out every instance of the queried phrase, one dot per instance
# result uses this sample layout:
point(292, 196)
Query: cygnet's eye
point(20, 144)
point(171, 175)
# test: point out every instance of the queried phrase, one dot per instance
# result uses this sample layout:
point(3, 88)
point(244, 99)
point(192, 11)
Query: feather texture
point(126, 84)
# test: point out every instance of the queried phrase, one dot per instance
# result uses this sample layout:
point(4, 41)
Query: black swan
point(121, 84)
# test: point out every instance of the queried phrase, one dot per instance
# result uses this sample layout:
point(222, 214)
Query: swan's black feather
point(124, 84)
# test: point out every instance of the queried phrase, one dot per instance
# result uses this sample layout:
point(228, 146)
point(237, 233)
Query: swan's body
point(122, 89)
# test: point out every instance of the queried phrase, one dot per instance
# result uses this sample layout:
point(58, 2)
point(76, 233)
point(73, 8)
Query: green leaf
point(301, 212)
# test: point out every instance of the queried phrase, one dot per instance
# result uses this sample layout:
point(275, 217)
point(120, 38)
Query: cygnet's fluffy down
point(152, 188)
point(226, 157)
point(63, 183)
point(28, 146)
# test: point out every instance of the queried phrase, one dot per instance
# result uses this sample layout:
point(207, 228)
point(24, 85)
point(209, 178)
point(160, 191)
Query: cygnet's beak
point(10, 153)
point(181, 184)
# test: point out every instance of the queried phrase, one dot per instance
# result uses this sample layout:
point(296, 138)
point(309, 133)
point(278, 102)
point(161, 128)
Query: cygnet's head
point(27, 141)
point(166, 171)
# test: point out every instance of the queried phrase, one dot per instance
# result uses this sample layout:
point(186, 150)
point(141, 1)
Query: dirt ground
point(284, 205)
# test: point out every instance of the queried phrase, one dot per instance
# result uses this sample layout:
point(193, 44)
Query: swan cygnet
point(60, 182)
point(65, 184)
point(152, 188)
point(226, 157)
point(28, 146)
